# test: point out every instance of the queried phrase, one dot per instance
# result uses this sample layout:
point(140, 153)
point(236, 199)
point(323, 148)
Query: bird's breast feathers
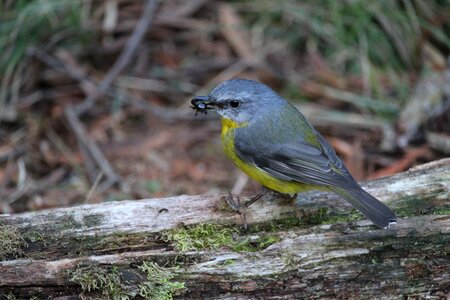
point(253, 171)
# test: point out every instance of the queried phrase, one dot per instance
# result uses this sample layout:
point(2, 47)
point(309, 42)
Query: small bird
point(273, 143)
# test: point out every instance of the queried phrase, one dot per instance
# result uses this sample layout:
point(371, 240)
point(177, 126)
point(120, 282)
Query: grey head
point(240, 100)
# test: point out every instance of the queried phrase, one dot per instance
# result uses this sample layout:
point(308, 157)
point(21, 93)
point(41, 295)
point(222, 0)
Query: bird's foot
point(241, 208)
point(235, 203)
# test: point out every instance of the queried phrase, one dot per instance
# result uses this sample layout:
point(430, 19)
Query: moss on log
point(195, 247)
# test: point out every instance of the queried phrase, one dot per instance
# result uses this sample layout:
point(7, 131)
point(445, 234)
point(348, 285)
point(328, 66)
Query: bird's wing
point(297, 160)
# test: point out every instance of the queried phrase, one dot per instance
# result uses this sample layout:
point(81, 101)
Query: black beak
point(201, 104)
point(200, 99)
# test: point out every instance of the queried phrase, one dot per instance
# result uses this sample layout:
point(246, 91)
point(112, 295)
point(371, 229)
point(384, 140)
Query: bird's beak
point(202, 104)
point(202, 100)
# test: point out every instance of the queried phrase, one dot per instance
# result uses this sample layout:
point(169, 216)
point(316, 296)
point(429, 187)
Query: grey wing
point(298, 161)
point(318, 164)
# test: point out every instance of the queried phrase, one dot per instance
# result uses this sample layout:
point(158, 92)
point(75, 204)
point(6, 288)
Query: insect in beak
point(201, 104)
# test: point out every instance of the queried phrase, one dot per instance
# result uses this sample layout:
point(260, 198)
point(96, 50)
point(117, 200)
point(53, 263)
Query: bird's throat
point(228, 127)
point(228, 124)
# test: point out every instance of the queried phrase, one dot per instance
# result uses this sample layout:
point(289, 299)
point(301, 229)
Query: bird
point(274, 144)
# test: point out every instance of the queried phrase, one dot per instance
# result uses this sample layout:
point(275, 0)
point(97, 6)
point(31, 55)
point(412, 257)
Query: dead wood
point(323, 254)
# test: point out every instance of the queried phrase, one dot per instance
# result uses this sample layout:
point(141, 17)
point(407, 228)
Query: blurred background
point(94, 95)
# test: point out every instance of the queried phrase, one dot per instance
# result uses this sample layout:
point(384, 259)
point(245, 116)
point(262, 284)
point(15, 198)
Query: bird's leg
point(254, 199)
point(234, 204)
point(237, 206)
point(240, 208)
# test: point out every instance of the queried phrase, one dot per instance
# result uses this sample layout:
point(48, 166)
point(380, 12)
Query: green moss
point(405, 207)
point(123, 240)
point(414, 205)
point(353, 215)
point(34, 237)
point(276, 225)
point(213, 236)
point(107, 281)
point(322, 215)
point(316, 217)
point(85, 245)
point(442, 211)
point(62, 222)
point(226, 262)
point(257, 244)
point(201, 236)
point(159, 284)
point(113, 283)
point(11, 242)
point(265, 241)
point(65, 244)
point(92, 220)
point(288, 259)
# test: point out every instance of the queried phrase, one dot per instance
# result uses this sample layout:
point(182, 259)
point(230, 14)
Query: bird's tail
point(376, 211)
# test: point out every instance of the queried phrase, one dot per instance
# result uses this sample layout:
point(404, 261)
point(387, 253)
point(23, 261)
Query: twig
point(92, 149)
point(89, 163)
point(427, 103)
point(173, 13)
point(93, 188)
point(235, 34)
point(153, 85)
point(124, 58)
point(8, 174)
point(12, 153)
point(90, 86)
point(401, 164)
point(87, 84)
point(321, 116)
point(30, 187)
point(362, 102)
point(62, 147)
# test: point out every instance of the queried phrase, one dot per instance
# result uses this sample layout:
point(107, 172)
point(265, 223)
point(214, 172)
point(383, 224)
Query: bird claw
point(241, 208)
point(238, 207)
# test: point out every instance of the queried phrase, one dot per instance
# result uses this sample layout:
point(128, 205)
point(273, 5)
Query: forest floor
point(382, 101)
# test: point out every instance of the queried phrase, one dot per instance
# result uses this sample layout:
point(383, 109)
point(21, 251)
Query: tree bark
point(316, 246)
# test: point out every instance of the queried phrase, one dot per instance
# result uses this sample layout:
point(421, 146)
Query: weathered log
point(316, 247)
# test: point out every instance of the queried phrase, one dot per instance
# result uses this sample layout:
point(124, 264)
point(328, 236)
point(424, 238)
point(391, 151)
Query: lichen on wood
point(12, 242)
point(316, 246)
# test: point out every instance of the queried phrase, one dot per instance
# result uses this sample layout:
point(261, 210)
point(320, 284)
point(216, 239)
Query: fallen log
point(316, 246)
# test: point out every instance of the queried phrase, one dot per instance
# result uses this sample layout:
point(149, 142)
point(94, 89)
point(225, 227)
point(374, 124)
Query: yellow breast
point(288, 187)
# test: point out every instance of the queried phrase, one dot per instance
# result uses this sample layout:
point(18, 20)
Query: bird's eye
point(234, 103)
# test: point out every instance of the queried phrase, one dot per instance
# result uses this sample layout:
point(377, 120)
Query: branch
point(125, 57)
point(89, 249)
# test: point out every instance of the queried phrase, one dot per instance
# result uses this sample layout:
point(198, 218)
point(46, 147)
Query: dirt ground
point(381, 121)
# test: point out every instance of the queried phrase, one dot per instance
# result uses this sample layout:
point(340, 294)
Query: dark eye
point(234, 103)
